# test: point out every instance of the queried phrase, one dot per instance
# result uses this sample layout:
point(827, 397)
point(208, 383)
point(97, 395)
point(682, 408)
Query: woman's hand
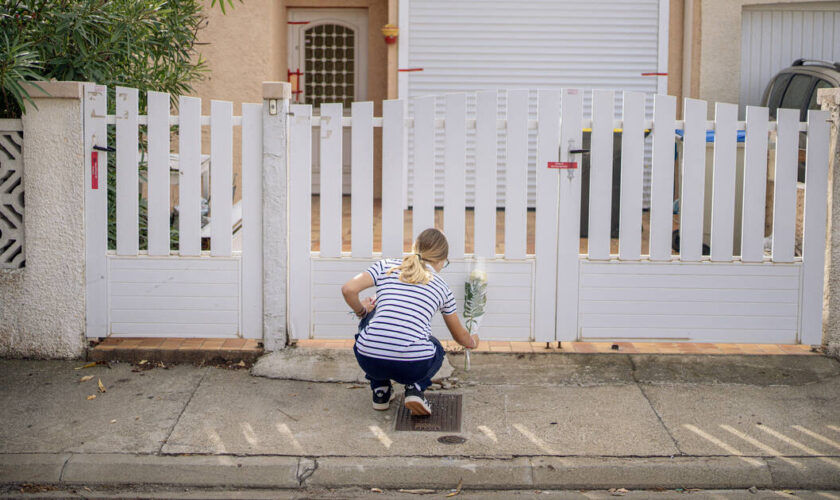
point(369, 304)
point(474, 338)
point(351, 290)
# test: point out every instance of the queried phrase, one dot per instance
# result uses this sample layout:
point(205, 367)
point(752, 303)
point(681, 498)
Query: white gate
point(189, 291)
point(636, 288)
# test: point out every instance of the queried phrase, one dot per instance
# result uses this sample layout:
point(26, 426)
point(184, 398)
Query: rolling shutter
point(470, 45)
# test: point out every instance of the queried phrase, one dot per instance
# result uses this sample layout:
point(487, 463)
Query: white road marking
point(488, 432)
point(285, 431)
point(381, 436)
point(219, 447)
point(723, 445)
point(761, 446)
point(797, 444)
point(534, 439)
point(249, 433)
point(834, 428)
point(825, 494)
point(816, 436)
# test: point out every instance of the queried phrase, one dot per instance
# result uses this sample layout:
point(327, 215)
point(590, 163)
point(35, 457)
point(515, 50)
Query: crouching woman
point(395, 339)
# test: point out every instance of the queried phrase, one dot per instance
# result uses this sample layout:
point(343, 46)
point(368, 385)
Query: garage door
point(773, 37)
point(469, 45)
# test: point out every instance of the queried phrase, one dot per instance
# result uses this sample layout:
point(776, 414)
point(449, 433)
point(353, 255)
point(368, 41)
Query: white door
point(327, 52)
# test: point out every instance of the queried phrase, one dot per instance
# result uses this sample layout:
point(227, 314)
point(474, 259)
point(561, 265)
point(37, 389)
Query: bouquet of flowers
point(475, 301)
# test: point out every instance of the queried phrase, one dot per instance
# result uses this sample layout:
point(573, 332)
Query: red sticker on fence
point(94, 170)
point(562, 164)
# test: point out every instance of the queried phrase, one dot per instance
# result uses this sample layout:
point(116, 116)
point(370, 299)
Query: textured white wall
point(42, 307)
point(831, 303)
point(275, 201)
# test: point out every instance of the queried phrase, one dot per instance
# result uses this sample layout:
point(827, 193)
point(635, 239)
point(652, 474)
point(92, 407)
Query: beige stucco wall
point(720, 51)
point(247, 46)
point(42, 307)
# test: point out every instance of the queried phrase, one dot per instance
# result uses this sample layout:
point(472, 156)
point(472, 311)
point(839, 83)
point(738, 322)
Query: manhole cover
point(445, 417)
point(452, 440)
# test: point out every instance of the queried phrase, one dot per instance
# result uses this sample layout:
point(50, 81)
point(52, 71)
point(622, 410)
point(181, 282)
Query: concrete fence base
point(42, 306)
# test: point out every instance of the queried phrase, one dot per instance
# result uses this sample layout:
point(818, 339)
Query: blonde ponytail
point(430, 247)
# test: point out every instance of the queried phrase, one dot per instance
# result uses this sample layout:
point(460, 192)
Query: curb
point(542, 472)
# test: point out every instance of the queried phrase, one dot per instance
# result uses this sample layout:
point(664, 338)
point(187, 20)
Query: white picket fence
point(158, 292)
point(734, 294)
point(556, 293)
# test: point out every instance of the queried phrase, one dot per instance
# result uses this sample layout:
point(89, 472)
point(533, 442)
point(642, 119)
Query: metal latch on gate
point(569, 166)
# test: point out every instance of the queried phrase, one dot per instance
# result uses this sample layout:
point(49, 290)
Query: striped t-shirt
point(401, 323)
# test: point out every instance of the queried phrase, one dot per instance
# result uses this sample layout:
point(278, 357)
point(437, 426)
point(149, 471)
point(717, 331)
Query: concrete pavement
point(530, 421)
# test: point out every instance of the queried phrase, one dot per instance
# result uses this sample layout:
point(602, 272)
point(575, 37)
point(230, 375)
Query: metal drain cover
point(445, 417)
point(452, 440)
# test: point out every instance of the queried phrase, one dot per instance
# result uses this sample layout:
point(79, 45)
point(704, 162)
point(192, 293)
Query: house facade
point(336, 50)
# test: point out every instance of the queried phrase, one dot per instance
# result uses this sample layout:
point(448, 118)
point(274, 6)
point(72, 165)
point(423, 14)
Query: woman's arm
point(459, 333)
point(351, 290)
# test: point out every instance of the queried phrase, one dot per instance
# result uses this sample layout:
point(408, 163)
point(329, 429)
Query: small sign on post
point(562, 164)
point(94, 170)
point(569, 166)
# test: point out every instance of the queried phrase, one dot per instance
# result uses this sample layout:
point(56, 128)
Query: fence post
point(830, 101)
point(42, 306)
point(275, 163)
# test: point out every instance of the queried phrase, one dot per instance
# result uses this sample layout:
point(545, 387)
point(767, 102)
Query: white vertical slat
point(692, 181)
point(252, 243)
point(632, 172)
point(662, 177)
point(813, 240)
point(545, 237)
point(300, 220)
point(723, 182)
point(485, 174)
point(755, 184)
point(423, 211)
point(600, 174)
point(127, 178)
point(393, 180)
point(331, 201)
point(784, 189)
point(96, 212)
point(189, 179)
point(221, 177)
point(568, 233)
point(158, 173)
point(455, 161)
point(516, 175)
point(361, 179)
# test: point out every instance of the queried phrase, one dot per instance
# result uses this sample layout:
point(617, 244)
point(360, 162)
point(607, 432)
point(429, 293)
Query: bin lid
point(710, 135)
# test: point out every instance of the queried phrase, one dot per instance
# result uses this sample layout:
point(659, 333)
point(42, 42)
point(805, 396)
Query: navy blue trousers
point(381, 372)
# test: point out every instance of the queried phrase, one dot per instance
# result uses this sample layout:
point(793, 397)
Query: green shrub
point(144, 44)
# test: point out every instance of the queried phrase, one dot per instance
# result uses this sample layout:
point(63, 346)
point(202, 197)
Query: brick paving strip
point(601, 347)
point(176, 350)
point(196, 350)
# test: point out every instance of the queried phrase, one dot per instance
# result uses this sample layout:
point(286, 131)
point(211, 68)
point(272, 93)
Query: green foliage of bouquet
point(475, 303)
point(475, 299)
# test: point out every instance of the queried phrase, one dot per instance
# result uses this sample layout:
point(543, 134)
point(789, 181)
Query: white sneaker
point(416, 402)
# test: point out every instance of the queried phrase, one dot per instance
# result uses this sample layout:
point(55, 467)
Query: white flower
point(478, 275)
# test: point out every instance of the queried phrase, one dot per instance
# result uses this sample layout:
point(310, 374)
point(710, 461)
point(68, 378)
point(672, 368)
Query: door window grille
point(329, 65)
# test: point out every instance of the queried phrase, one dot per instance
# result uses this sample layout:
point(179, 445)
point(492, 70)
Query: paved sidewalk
point(530, 421)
